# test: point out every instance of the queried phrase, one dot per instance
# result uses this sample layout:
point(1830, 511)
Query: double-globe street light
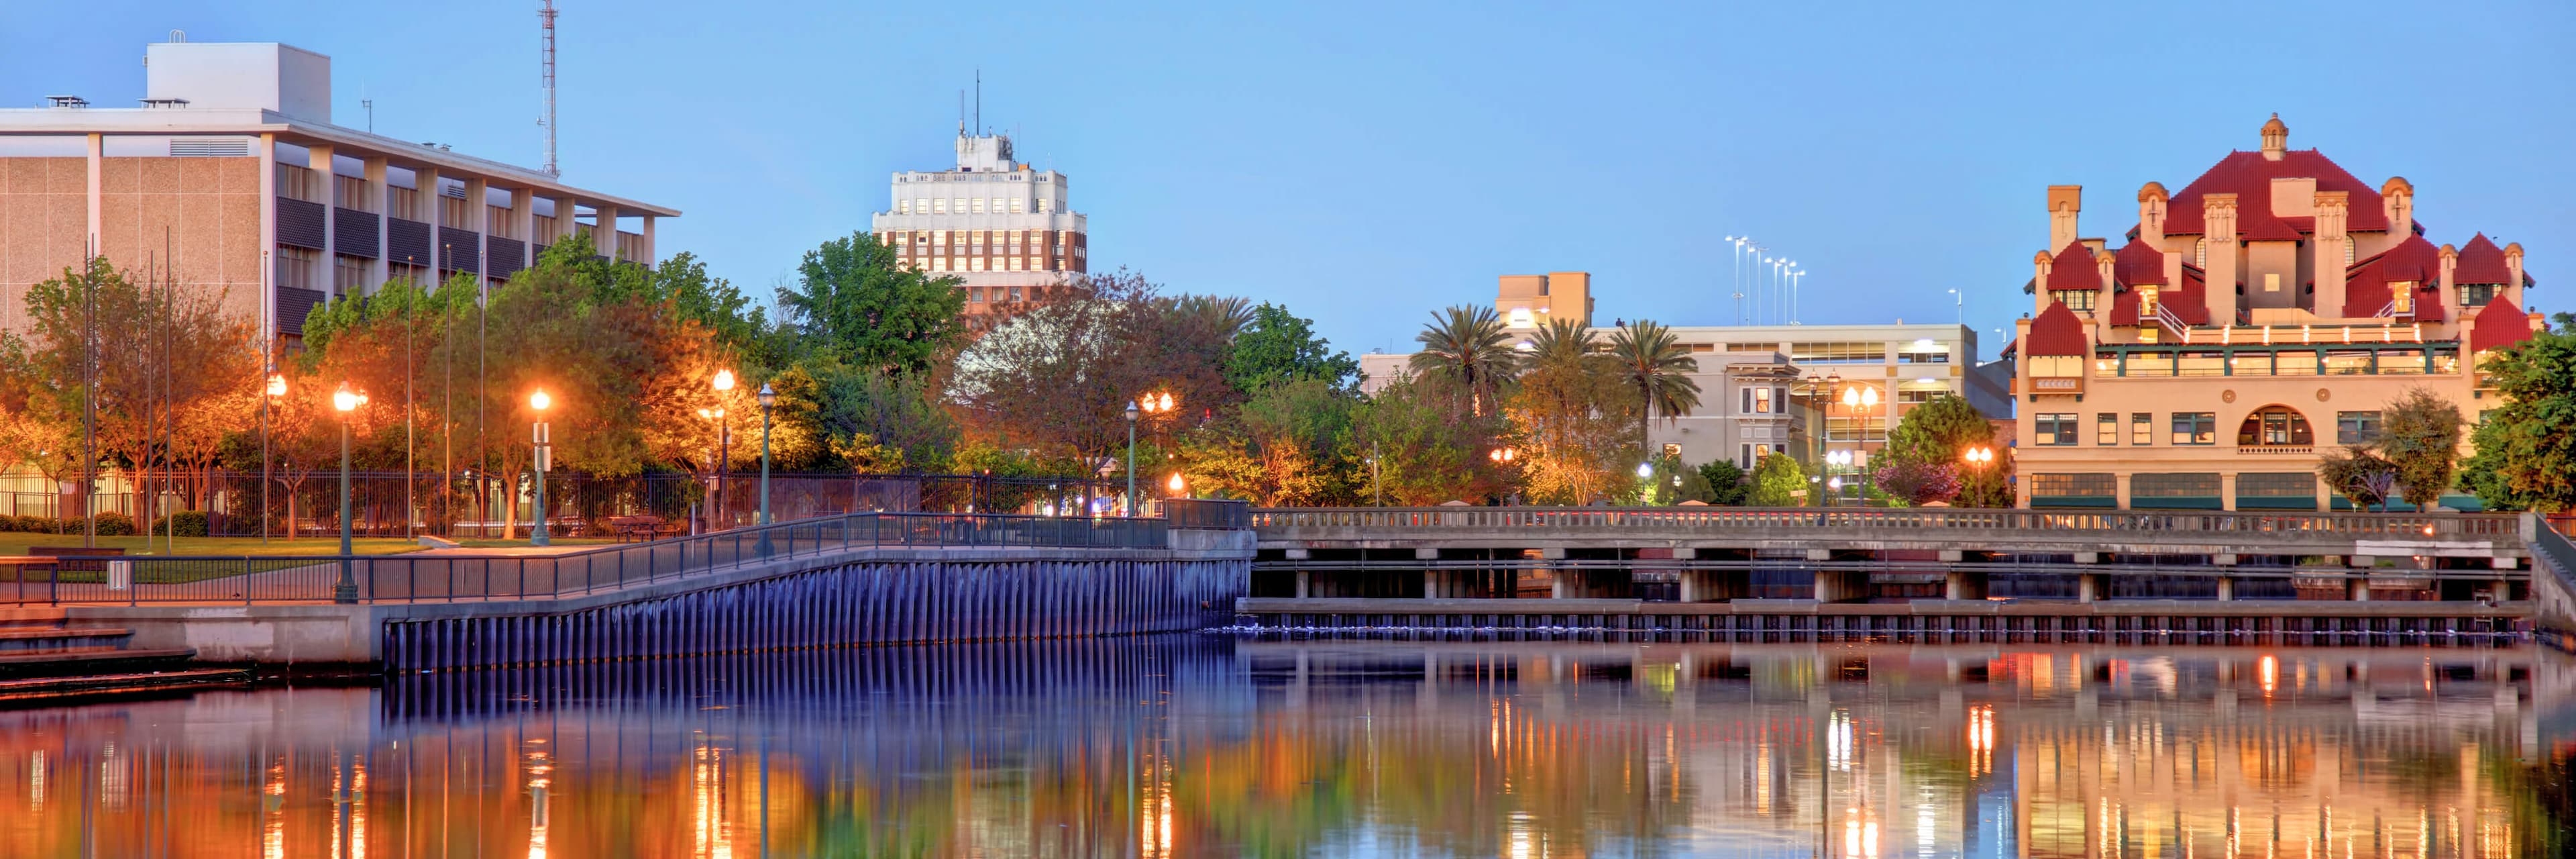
point(346, 402)
point(1155, 403)
point(724, 443)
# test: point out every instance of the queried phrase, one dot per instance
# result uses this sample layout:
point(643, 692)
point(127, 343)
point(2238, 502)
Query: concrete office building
point(232, 156)
point(2263, 314)
point(1004, 229)
point(1754, 397)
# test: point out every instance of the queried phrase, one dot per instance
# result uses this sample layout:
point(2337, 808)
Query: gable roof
point(2249, 176)
point(2498, 324)
point(2074, 269)
point(2138, 263)
point(2366, 283)
point(2057, 333)
point(2481, 262)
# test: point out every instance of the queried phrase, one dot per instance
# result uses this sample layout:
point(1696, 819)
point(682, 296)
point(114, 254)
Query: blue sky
point(1365, 163)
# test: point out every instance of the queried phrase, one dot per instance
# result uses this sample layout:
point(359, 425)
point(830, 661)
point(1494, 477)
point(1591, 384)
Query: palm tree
point(1562, 343)
point(1468, 345)
point(1225, 315)
point(1651, 360)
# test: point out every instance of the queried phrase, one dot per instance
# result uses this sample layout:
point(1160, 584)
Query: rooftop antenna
point(370, 105)
point(979, 102)
point(961, 113)
point(547, 17)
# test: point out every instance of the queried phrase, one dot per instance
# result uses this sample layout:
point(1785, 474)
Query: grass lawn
point(16, 543)
point(482, 543)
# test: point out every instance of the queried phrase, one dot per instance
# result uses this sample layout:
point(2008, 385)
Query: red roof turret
point(2498, 324)
point(2057, 332)
point(2249, 176)
point(2073, 269)
point(2481, 262)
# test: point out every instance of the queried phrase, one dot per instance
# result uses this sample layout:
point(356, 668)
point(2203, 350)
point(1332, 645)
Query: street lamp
point(768, 399)
point(539, 402)
point(1131, 458)
point(346, 402)
point(1978, 458)
point(1177, 485)
point(724, 443)
point(1855, 399)
point(276, 389)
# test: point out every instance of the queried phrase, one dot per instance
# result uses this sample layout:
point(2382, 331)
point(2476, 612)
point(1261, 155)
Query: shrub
point(114, 524)
point(185, 523)
point(35, 524)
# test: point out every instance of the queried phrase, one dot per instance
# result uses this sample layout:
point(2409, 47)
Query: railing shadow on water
point(245, 580)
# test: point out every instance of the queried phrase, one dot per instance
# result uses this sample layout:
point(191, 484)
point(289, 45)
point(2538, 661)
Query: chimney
point(2039, 279)
point(2450, 260)
point(2102, 260)
point(2333, 244)
point(2218, 234)
point(2276, 139)
point(2513, 271)
point(2397, 197)
point(2151, 213)
point(2063, 202)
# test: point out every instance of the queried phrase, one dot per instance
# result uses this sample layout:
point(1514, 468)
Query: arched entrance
point(2275, 426)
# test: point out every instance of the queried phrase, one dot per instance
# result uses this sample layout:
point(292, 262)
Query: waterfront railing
point(1433, 519)
point(497, 575)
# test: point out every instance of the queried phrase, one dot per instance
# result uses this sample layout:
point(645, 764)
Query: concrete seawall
point(864, 596)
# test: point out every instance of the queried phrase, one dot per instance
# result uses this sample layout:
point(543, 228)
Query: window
point(903, 206)
point(2142, 428)
point(1744, 456)
point(2401, 297)
point(2272, 282)
point(2356, 427)
point(2200, 364)
point(295, 268)
point(1761, 401)
point(1045, 205)
point(2401, 362)
point(2300, 363)
point(1019, 205)
point(2200, 253)
point(2078, 300)
point(1036, 265)
point(939, 206)
point(2478, 294)
point(2195, 428)
point(2347, 362)
point(2150, 364)
point(2274, 426)
point(938, 263)
point(1838, 353)
point(2056, 429)
point(2074, 485)
point(2106, 429)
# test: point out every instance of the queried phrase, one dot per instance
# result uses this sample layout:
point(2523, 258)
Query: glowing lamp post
point(1978, 459)
point(276, 389)
point(724, 443)
point(1177, 485)
point(768, 400)
point(543, 436)
point(1148, 404)
point(346, 402)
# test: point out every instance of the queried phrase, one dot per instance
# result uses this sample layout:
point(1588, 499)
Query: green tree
point(2526, 446)
point(1939, 431)
point(1468, 346)
point(1778, 481)
point(1275, 346)
point(2360, 475)
point(1578, 417)
point(2419, 435)
point(1289, 445)
point(1726, 482)
point(854, 302)
point(1653, 363)
point(1426, 452)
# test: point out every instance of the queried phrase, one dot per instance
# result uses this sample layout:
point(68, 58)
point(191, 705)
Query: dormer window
point(2078, 300)
point(2478, 294)
point(2146, 302)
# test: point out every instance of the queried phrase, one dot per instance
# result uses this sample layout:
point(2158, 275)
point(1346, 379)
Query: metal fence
point(443, 577)
point(392, 504)
point(2392, 525)
point(1207, 514)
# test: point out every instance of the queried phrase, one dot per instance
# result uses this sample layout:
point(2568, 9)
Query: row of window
point(944, 264)
point(2251, 484)
point(938, 241)
point(2276, 425)
point(2438, 360)
point(973, 206)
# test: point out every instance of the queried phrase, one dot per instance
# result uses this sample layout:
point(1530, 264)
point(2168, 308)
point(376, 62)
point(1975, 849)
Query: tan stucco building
point(2262, 315)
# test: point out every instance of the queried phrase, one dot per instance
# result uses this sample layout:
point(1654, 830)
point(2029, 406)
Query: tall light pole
point(1796, 276)
point(724, 443)
point(346, 402)
point(768, 399)
point(1959, 307)
point(1131, 459)
point(276, 389)
point(1735, 273)
point(544, 460)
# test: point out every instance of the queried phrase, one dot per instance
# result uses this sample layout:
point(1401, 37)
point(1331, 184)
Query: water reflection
point(1198, 746)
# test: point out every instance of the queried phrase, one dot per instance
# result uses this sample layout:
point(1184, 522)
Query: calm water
point(1203, 746)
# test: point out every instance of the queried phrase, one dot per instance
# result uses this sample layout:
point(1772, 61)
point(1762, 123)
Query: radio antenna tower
point(547, 16)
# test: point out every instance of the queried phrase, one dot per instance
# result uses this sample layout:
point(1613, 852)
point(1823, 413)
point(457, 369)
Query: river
point(1206, 745)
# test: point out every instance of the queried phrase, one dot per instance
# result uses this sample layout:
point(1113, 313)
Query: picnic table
point(642, 528)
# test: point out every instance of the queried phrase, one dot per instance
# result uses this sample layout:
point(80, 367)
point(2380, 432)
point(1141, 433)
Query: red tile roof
point(2366, 282)
point(2058, 332)
point(2186, 301)
point(2249, 176)
point(2481, 262)
point(2074, 269)
point(2137, 263)
point(2500, 323)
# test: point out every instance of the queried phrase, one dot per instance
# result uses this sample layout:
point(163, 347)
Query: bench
point(73, 552)
point(642, 528)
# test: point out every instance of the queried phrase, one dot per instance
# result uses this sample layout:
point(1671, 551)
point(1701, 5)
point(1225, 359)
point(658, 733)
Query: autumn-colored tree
point(1058, 376)
point(1289, 445)
point(1578, 417)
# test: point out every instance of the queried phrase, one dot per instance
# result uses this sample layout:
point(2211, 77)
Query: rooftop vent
point(165, 102)
point(66, 101)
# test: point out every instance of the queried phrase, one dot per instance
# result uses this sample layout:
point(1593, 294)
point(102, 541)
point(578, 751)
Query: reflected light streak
point(713, 832)
point(2268, 669)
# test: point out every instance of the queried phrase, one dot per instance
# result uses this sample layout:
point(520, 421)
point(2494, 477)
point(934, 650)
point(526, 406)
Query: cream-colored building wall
point(2231, 398)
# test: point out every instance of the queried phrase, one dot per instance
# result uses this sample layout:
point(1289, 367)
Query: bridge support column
point(1842, 586)
point(2088, 587)
point(2357, 588)
point(2226, 589)
point(1305, 584)
point(1714, 585)
point(1965, 585)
